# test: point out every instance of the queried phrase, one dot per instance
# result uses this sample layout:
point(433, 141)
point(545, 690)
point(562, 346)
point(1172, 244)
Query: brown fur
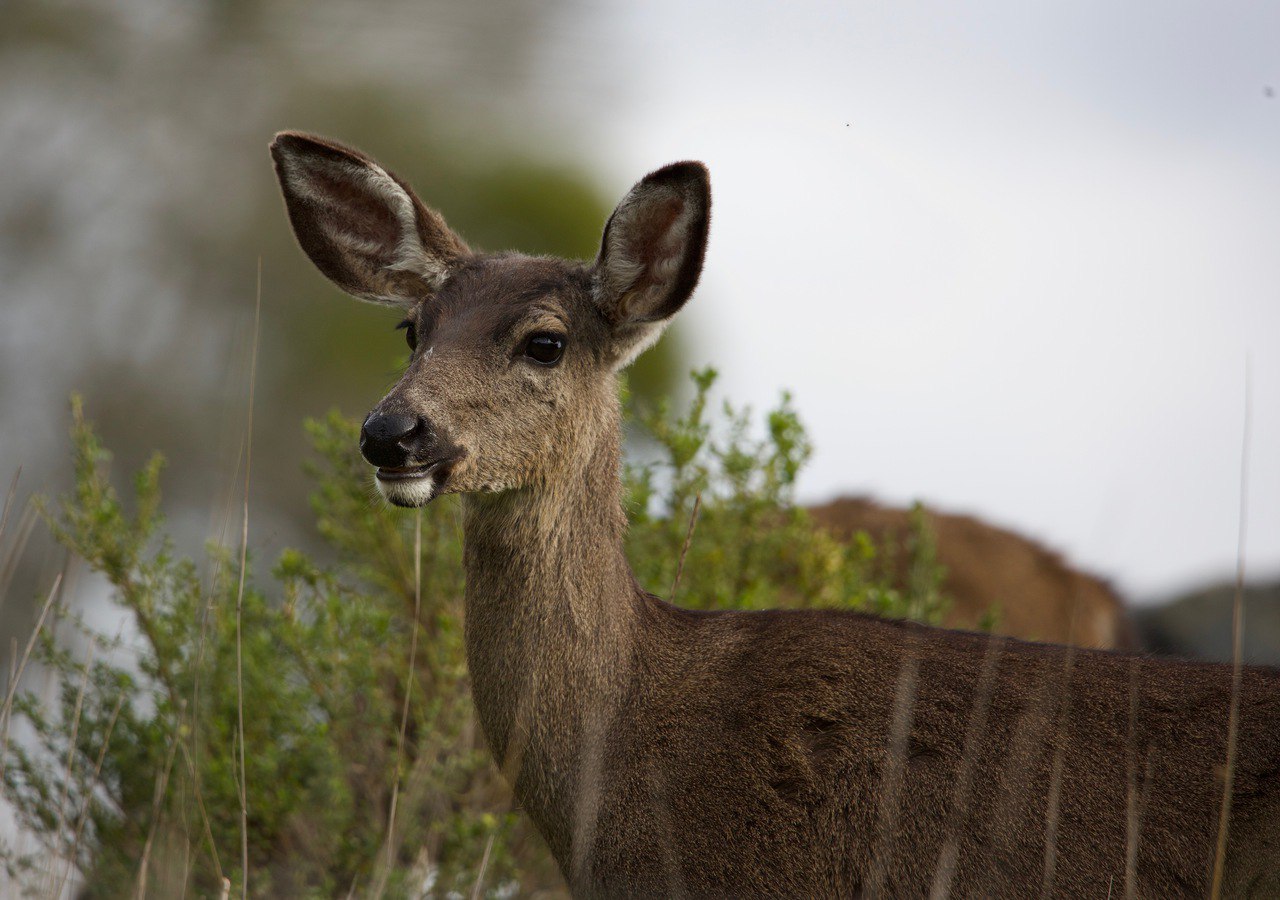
point(663, 752)
point(1032, 592)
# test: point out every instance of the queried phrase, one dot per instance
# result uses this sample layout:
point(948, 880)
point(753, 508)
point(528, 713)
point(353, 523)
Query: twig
point(17, 674)
point(244, 556)
point(1237, 634)
point(688, 539)
point(88, 800)
point(385, 872)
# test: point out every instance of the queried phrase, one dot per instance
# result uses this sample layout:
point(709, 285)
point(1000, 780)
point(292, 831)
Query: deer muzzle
point(412, 458)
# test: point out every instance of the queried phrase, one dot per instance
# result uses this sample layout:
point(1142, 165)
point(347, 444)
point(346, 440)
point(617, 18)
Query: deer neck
point(551, 621)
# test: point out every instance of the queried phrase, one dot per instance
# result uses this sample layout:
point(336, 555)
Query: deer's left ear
point(361, 225)
point(651, 254)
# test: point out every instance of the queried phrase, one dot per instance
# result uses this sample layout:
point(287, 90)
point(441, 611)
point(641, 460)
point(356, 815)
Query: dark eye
point(410, 333)
point(545, 349)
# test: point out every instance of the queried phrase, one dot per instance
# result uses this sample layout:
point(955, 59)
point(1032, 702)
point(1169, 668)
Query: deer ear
point(651, 254)
point(362, 226)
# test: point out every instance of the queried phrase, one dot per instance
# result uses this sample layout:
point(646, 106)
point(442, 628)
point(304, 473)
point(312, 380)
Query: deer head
point(512, 358)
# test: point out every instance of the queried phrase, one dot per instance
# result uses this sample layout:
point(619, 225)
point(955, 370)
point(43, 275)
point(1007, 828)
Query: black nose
point(389, 440)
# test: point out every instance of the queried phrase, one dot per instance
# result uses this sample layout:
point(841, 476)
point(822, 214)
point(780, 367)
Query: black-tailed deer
point(795, 754)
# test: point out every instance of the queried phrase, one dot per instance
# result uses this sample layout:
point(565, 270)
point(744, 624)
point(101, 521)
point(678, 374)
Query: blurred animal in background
point(996, 579)
point(1198, 624)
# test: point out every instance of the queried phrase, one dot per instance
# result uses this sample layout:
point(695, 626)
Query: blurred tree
point(143, 199)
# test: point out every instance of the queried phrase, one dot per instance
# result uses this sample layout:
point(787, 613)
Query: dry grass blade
point(389, 857)
point(1132, 818)
point(244, 558)
point(204, 813)
point(891, 781)
point(16, 677)
point(1053, 809)
point(157, 803)
point(191, 747)
point(8, 500)
point(1237, 634)
point(188, 864)
point(484, 864)
point(974, 732)
point(88, 800)
point(684, 550)
point(26, 525)
point(1136, 799)
point(71, 748)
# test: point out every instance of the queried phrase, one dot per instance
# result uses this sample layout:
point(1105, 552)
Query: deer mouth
point(405, 473)
point(412, 486)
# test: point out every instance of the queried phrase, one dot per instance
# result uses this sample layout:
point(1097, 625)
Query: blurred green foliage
point(496, 200)
point(141, 739)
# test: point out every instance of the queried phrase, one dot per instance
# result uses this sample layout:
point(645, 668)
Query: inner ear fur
point(362, 226)
point(653, 247)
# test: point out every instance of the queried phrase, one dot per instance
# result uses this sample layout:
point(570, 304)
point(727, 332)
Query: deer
point(665, 752)
point(1032, 591)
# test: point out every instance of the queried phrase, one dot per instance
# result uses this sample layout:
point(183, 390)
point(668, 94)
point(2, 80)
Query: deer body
point(664, 752)
point(676, 753)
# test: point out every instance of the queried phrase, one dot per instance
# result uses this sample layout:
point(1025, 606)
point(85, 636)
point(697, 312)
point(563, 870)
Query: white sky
point(1009, 257)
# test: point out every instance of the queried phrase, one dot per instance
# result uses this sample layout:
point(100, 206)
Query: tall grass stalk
point(162, 787)
point(684, 548)
point(26, 525)
point(389, 858)
point(8, 500)
point(7, 711)
point(71, 749)
point(1237, 637)
point(478, 888)
point(73, 855)
point(244, 565)
point(975, 730)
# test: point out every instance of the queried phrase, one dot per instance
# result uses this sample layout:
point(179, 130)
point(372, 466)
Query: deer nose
point(389, 440)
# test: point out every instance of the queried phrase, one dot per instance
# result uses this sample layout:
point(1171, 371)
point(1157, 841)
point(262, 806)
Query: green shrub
point(150, 723)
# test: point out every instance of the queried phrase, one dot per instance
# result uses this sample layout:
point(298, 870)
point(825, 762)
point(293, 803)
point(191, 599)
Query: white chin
point(407, 491)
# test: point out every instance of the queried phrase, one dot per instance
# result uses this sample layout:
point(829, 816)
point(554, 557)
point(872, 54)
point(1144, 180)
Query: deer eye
point(410, 333)
point(545, 348)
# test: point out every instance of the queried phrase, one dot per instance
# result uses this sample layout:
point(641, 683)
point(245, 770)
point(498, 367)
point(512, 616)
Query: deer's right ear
point(651, 254)
point(362, 226)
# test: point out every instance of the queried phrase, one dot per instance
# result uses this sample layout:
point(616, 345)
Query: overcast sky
point(1010, 257)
